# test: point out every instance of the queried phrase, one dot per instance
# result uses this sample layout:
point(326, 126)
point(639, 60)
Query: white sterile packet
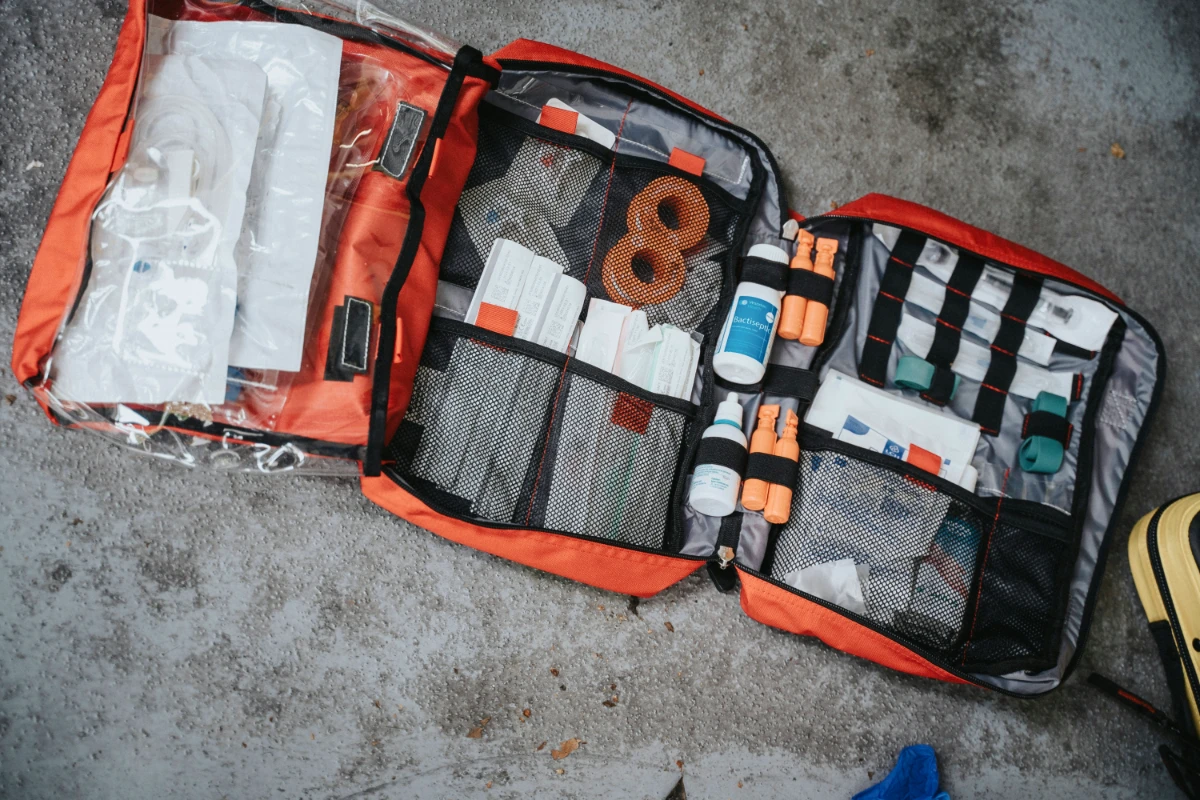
point(154, 322)
point(277, 250)
point(1074, 319)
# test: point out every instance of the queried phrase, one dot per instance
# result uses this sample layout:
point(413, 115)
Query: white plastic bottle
point(715, 487)
point(749, 330)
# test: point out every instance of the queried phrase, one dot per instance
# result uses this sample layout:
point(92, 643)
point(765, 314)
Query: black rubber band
point(1043, 423)
point(723, 452)
point(811, 285)
point(772, 469)
point(784, 381)
point(772, 274)
point(989, 406)
point(889, 306)
point(941, 386)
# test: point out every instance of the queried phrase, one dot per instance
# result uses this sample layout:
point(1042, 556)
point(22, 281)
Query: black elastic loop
point(811, 285)
point(772, 469)
point(784, 381)
point(941, 386)
point(723, 452)
point(1043, 423)
point(989, 405)
point(955, 308)
point(766, 272)
point(889, 306)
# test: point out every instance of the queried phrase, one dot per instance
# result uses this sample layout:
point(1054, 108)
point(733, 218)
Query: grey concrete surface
point(168, 633)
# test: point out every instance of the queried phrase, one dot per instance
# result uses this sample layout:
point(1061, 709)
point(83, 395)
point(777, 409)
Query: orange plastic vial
point(754, 490)
point(779, 498)
point(817, 314)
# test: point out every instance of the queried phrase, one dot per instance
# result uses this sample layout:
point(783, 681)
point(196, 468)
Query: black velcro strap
point(729, 535)
point(812, 285)
point(955, 308)
point(1043, 423)
point(764, 271)
point(784, 381)
point(772, 469)
point(349, 340)
point(989, 406)
point(889, 306)
point(723, 452)
point(941, 386)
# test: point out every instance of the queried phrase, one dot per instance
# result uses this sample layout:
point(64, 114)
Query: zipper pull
point(726, 554)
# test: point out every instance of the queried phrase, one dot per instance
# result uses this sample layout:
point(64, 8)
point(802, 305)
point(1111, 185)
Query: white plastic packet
point(835, 581)
point(278, 247)
point(154, 322)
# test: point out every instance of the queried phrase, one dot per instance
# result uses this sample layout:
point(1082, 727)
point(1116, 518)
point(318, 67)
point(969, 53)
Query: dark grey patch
point(170, 569)
point(899, 33)
point(819, 51)
point(111, 9)
point(115, 648)
point(58, 576)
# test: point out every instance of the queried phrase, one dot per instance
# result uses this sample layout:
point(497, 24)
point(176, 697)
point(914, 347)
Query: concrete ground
point(170, 633)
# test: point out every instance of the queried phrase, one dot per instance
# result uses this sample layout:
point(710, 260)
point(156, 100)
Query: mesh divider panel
point(915, 550)
point(610, 466)
point(1021, 598)
point(538, 193)
point(475, 423)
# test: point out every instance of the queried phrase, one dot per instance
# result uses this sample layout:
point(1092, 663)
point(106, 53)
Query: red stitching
point(958, 291)
point(1002, 350)
point(563, 374)
point(993, 388)
point(903, 263)
point(990, 431)
point(941, 321)
point(1014, 319)
point(890, 296)
point(983, 567)
point(888, 342)
point(869, 379)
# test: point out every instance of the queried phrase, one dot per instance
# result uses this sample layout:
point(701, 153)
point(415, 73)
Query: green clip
point(914, 372)
point(1042, 454)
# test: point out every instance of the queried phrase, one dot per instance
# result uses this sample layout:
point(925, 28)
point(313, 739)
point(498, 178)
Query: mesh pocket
point(636, 235)
point(914, 550)
point(475, 422)
point(1021, 599)
point(610, 465)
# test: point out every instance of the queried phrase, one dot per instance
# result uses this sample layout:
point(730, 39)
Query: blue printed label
point(750, 331)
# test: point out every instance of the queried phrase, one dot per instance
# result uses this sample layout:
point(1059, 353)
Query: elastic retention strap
point(772, 469)
point(989, 406)
point(780, 381)
point(771, 274)
point(1050, 425)
point(948, 331)
point(811, 285)
point(723, 452)
point(889, 306)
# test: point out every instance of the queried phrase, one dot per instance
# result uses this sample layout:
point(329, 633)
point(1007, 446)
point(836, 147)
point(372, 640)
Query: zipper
point(1160, 579)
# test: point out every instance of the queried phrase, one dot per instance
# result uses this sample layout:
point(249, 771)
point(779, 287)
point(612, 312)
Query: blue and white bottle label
point(750, 330)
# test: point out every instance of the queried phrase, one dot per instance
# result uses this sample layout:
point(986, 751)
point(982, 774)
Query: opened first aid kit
point(558, 313)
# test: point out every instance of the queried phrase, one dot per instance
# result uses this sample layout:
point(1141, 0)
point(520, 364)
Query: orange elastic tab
point(632, 413)
point(559, 119)
point(399, 349)
point(682, 159)
point(497, 319)
point(924, 459)
point(433, 161)
point(122, 150)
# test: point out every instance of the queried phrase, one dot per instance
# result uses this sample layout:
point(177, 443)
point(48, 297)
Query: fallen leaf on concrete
point(559, 771)
point(1117, 150)
point(487, 785)
point(669, 626)
point(554, 671)
point(679, 763)
point(609, 704)
point(870, 53)
point(527, 712)
point(566, 748)
point(1083, 149)
point(477, 731)
point(739, 784)
point(701, 72)
point(834, 205)
point(540, 747)
point(378, 704)
point(10, 398)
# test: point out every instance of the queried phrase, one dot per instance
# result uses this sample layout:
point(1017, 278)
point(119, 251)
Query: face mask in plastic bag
point(154, 323)
point(278, 247)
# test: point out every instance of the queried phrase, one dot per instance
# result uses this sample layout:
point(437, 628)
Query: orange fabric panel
point(893, 211)
point(779, 608)
point(682, 159)
point(601, 565)
point(530, 50)
point(559, 119)
point(58, 266)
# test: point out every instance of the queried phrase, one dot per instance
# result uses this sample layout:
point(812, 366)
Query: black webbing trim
point(724, 452)
point(941, 386)
point(764, 271)
point(729, 535)
point(989, 406)
point(772, 469)
point(888, 309)
point(1043, 423)
point(784, 381)
point(811, 285)
point(948, 331)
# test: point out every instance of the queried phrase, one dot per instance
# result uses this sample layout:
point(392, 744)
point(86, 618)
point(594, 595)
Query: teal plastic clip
point(1041, 454)
point(914, 372)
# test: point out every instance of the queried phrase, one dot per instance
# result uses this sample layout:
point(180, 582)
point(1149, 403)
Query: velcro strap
point(349, 339)
point(955, 308)
point(723, 452)
point(993, 393)
point(764, 271)
point(784, 381)
point(1050, 425)
point(941, 386)
point(812, 285)
point(889, 307)
point(772, 469)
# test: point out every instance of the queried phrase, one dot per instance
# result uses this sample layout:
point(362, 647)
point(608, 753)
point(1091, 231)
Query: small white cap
point(729, 410)
point(770, 252)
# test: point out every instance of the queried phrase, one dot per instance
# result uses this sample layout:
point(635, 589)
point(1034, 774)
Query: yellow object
point(754, 490)
point(817, 314)
point(779, 498)
point(791, 317)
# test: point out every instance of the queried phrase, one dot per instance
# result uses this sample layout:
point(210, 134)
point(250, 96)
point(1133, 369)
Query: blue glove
point(915, 777)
